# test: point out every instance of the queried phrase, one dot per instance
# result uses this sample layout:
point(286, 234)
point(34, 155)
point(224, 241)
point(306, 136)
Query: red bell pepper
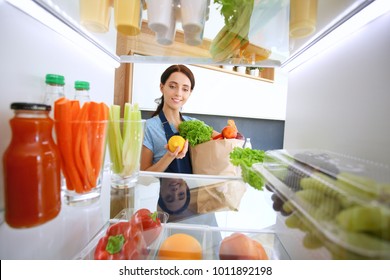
point(123, 241)
point(151, 224)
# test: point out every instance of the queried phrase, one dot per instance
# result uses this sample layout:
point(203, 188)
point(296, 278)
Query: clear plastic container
point(208, 237)
point(340, 202)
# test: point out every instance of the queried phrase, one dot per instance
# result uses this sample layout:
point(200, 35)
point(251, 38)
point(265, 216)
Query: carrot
point(65, 141)
point(98, 113)
point(79, 130)
point(218, 136)
point(81, 144)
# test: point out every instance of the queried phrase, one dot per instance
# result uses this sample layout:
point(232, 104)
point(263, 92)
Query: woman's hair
point(165, 76)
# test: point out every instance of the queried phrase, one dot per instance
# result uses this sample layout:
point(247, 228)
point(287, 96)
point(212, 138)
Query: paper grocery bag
point(223, 196)
point(213, 157)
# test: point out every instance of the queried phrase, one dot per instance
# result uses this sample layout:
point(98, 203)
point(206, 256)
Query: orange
point(176, 141)
point(180, 246)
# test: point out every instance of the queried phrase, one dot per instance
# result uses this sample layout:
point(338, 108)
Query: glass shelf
point(259, 43)
point(267, 42)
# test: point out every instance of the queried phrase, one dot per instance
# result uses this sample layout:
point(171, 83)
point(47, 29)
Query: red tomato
point(149, 223)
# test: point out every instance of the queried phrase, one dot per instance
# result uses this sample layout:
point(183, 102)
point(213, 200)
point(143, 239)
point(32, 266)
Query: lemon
point(176, 141)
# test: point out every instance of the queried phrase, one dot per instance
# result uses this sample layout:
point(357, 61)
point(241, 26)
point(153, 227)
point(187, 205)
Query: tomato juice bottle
point(31, 168)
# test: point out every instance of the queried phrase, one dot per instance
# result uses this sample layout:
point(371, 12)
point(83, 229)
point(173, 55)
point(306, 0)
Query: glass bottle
point(31, 165)
point(82, 92)
point(248, 143)
point(55, 89)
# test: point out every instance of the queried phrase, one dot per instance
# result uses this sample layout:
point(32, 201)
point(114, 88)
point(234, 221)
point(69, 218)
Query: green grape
point(359, 186)
point(311, 241)
point(364, 218)
point(311, 196)
point(293, 221)
point(322, 183)
point(288, 207)
point(368, 242)
point(327, 209)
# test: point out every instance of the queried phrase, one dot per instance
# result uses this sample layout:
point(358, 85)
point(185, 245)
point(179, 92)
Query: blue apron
point(177, 165)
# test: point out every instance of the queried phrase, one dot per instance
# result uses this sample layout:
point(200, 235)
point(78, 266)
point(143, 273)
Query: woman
point(176, 85)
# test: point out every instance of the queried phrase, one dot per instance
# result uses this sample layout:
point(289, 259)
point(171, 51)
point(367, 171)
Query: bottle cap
point(81, 85)
point(30, 106)
point(55, 79)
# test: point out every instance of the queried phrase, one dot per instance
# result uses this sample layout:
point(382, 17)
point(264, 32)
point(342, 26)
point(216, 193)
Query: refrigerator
point(337, 100)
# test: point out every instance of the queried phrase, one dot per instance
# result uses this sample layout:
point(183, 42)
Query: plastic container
point(82, 92)
point(208, 237)
point(31, 168)
point(340, 202)
point(123, 216)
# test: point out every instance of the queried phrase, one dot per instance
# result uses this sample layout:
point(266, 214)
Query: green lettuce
point(195, 131)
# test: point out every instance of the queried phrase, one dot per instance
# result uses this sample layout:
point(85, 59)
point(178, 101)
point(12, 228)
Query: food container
point(87, 253)
point(209, 239)
point(339, 202)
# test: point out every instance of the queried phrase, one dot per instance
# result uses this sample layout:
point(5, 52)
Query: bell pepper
point(150, 223)
point(122, 241)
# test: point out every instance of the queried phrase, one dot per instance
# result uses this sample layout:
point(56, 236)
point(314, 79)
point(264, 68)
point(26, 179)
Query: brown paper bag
point(212, 157)
point(224, 196)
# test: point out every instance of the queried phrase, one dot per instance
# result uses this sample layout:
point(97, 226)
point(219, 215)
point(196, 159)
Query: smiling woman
point(176, 85)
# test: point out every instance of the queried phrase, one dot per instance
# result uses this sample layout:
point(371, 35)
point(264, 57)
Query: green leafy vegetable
point(245, 158)
point(195, 131)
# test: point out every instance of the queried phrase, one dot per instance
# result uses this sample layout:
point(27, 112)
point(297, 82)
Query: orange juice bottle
point(31, 168)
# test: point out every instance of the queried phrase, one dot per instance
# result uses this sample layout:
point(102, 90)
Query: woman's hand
point(177, 154)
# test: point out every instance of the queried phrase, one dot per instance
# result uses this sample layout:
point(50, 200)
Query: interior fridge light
point(354, 23)
point(84, 42)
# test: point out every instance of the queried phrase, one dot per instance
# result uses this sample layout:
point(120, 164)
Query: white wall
point(340, 99)
point(217, 93)
point(28, 52)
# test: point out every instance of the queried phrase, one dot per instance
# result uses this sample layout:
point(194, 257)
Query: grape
point(293, 221)
point(364, 218)
point(323, 184)
point(310, 241)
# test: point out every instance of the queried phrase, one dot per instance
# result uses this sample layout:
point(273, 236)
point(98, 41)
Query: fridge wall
point(30, 50)
point(339, 100)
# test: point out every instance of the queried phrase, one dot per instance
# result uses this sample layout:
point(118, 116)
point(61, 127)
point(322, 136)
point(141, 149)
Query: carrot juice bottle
point(31, 168)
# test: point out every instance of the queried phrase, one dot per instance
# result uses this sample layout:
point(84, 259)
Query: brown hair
point(165, 76)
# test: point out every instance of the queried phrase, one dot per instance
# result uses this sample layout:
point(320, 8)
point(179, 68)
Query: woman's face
point(176, 90)
point(173, 192)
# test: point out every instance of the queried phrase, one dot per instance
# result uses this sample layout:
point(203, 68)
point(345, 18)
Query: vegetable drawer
point(204, 242)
